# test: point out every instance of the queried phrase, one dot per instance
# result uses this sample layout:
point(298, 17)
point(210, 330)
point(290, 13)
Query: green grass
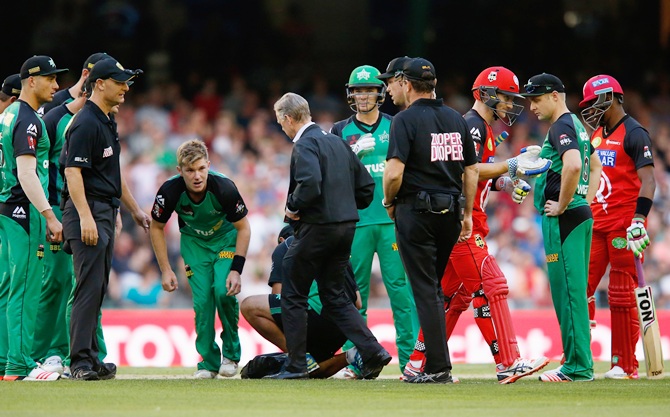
point(477, 395)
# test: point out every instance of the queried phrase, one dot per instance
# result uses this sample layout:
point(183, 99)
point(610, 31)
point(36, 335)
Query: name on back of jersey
point(607, 157)
point(446, 146)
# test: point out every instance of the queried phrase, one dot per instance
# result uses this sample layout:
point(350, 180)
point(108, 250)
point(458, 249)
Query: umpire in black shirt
point(431, 160)
point(328, 185)
point(94, 188)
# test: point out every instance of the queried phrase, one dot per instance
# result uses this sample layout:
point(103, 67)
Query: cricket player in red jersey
point(620, 211)
point(472, 274)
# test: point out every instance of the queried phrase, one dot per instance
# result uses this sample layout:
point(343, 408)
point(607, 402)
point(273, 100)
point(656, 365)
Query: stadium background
point(214, 68)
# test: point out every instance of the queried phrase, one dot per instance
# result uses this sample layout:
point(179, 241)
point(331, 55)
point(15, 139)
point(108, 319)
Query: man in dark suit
point(328, 185)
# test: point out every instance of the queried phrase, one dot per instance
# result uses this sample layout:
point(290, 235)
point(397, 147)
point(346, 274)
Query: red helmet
point(494, 80)
point(597, 85)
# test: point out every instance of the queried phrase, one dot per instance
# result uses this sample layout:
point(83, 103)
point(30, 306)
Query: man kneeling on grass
point(324, 338)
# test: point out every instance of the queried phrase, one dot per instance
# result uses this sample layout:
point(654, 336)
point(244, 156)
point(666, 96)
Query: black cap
point(542, 84)
point(394, 67)
point(419, 69)
point(91, 60)
point(39, 65)
point(285, 233)
point(12, 85)
point(110, 68)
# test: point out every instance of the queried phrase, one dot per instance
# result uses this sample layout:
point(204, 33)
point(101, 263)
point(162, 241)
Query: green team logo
point(619, 243)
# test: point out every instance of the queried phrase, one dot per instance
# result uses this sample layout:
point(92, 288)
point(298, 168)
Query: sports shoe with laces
point(53, 364)
point(424, 378)
point(355, 363)
point(312, 364)
point(105, 370)
point(39, 374)
point(228, 368)
point(520, 368)
point(204, 374)
point(617, 372)
point(84, 373)
point(555, 375)
point(411, 371)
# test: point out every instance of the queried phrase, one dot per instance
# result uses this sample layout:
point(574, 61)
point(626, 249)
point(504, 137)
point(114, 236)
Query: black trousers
point(92, 265)
point(320, 252)
point(425, 241)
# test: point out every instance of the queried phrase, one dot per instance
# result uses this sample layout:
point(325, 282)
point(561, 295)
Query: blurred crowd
point(246, 144)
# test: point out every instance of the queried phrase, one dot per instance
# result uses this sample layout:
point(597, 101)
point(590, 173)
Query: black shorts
point(324, 338)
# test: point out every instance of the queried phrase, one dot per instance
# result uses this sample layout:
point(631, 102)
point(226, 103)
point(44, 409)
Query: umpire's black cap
point(285, 233)
point(541, 84)
point(39, 65)
point(12, 85)
point(419, 69)
point(110, 68)
point(394, 67)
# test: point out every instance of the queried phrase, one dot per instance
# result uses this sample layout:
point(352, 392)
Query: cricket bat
point(651, 335)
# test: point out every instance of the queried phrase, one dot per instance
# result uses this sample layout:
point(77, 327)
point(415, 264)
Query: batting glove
point(638, 240)
point(364, 145)
point(528, 163)
point(517, 188)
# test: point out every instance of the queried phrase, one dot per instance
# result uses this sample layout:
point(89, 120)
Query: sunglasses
point(531, 88)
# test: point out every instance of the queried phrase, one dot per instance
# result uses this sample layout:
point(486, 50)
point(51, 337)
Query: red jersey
point(482, 134)
point(622, 152)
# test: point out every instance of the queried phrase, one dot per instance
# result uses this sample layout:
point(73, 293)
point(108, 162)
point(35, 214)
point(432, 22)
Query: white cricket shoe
point(39, 374)
point(228, 368)
point(204, 374)
point(53, 364)
point(520, 368)
point(617, 372)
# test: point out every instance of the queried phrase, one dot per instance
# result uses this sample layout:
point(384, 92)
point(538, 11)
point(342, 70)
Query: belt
point(112, 201)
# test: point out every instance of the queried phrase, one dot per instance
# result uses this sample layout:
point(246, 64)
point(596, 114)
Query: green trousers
point(567, 245)
point(25, 253)
point(208, 266)
point(380, 239)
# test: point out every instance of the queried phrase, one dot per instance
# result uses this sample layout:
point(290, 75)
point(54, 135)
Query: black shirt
point(92, 143)
point(434, 143)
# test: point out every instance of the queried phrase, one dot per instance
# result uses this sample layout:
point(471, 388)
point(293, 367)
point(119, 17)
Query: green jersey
point(22, 133)
point(211, 218)
point(56, 121)
point(565, 134)
point(351, 130)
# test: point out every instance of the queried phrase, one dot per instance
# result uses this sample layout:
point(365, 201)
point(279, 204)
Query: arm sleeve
point(400, 139)
point(81, 139)
point(307, 175)
point(638, 146)
point(563, 137)
point(165, 202)
point(470, 156)
point(276, 273)
point(478, 132)
point(27, 132)
point(229, 197)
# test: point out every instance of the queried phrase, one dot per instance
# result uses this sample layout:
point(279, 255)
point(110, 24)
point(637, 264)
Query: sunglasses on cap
point(532, 88)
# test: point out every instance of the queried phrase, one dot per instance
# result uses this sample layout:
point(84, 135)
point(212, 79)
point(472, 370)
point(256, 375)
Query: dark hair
point(422, 86)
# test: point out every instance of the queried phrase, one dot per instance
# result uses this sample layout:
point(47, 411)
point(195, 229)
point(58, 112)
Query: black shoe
point(84, 373)
point(373, 366)
point(424, 378)
point(288, 375)
point(106, 370)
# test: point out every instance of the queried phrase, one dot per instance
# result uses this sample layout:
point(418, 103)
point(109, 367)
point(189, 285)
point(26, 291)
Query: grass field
point(169, 392)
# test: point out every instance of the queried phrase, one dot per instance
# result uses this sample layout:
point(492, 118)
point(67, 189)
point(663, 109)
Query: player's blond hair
point(294, 105)
point(191, 151)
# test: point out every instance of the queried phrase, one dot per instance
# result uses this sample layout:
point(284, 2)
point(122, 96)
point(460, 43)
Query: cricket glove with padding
point(637, 237)
point(364, 145)
point(528, 163)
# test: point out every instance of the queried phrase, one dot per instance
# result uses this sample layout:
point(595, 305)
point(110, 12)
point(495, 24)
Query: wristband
point(643, 206)
point(387, 205)
point(238, 264)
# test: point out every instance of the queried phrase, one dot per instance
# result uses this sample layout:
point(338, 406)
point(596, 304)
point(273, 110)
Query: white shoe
point(204, 374)
point(520, 368)
point(53, 364)
point(39, 374)
point(228, 368)
point(617, 372)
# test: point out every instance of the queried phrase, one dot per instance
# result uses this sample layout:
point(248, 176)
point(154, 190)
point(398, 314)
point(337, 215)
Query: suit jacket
point(328, 182)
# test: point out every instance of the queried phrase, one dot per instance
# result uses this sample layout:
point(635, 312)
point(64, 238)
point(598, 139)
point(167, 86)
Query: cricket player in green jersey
point(215, 237)
point(563, 196)
point(367, 132)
